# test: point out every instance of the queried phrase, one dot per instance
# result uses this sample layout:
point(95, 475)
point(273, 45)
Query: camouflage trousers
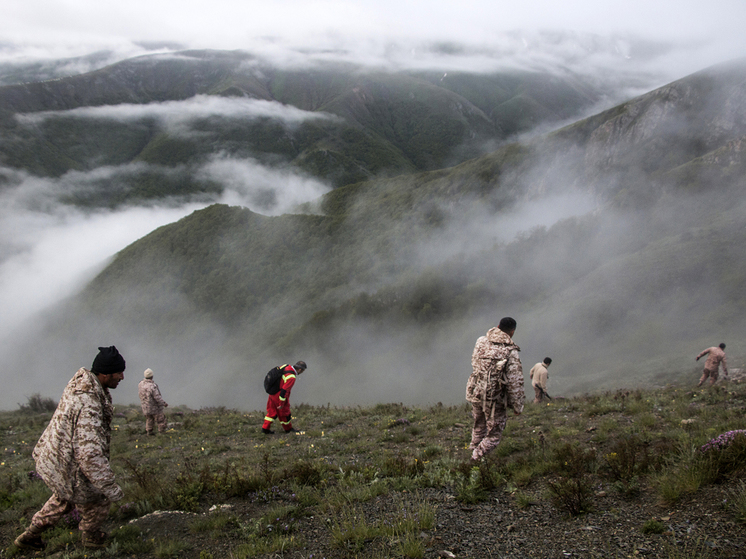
point(487, 430)
point(92, 515)
point(151, 420)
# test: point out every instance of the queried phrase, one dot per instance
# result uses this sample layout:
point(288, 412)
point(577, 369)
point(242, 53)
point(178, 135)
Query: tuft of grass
point(352, 529)
point(737, 502)
point(169, 548)
point(272, 544)
point(523, 500)
point(653, 526)
point(131, 541)
point(690, 549)
point(214, 524)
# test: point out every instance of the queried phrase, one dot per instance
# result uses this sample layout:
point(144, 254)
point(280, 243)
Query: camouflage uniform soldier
point(152, 403)
point(495, 385)
point(712, 365)
point(72, 455)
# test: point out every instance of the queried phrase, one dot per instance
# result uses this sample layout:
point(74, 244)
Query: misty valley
point(214, 214)
point(373, 223)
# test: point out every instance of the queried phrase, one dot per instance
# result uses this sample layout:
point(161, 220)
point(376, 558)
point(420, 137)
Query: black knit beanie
point(108, 361)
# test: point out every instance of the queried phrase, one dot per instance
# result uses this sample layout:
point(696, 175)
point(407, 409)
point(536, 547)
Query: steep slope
point(402, 274)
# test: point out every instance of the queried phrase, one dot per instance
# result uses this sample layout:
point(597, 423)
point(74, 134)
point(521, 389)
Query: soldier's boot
point(94, 539)
point(30, 540)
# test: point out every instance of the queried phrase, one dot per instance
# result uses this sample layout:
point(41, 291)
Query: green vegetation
point(418, 262)
point(384, 123)
point(228, 265)
point(373, 493)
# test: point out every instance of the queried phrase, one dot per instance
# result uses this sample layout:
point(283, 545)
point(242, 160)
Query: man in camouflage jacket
point(715, 356)
point(72, 455)
point(495, 385)
point(152, 403)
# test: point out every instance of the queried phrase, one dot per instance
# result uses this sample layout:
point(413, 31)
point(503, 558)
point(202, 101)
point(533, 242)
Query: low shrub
point(37, 404)
point(653, 527)
point(571, 490)
point(725, 455)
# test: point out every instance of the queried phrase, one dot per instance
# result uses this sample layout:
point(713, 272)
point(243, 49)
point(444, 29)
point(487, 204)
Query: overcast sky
point(712, 31)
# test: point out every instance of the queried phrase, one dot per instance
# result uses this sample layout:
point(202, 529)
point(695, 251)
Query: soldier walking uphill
point(495, 385)
point(715, 356)
point(278, 404)
point(72, 455)
point(152, 403)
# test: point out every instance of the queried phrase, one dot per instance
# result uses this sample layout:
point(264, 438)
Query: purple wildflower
point(722, 441)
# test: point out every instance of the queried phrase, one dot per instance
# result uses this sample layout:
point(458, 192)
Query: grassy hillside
point(606, 474)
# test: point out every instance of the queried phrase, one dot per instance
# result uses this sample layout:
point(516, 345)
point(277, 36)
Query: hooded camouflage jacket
point(151, 401)
point(497, 373)
point(72, 455)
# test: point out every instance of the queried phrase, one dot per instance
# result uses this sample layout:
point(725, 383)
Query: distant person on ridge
point(278, 404)
point(712, 365)
point(72, 455)
point(495, 385)
point(152, 403)
point(539, 376)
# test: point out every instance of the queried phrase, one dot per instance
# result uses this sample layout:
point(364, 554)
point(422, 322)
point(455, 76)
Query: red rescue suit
point(278, 405)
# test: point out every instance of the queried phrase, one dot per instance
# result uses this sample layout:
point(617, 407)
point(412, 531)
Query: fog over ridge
point(49, 250)
point(176, 115)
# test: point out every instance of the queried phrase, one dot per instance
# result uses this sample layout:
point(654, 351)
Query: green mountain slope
point(391, 286)
point(387, 122)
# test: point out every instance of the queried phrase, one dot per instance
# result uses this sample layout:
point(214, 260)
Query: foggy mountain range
point(393, 217)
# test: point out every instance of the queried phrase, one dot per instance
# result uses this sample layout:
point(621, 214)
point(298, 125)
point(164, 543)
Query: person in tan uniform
point(152, 403)
point(715, 356)
point(72, 455)
point(539, 376)
point(495, 385)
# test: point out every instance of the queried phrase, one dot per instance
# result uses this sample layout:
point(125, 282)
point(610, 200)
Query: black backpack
point(272, 379)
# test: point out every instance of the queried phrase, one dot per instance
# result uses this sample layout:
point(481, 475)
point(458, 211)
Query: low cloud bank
point(177, 115)
point(49, 251)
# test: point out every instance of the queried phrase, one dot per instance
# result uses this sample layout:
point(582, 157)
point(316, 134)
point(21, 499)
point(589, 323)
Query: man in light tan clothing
point(715, 356)
point(152, 403)
point(539, 376)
